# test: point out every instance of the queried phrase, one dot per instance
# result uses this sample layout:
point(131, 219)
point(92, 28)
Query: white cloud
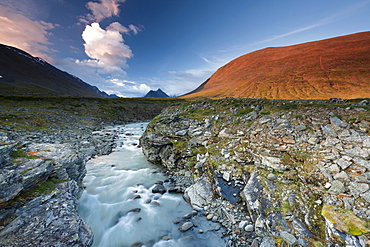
point(112, 80)
point(115, 26)
point(106, 46)
point(103, 9)
point(20, 31)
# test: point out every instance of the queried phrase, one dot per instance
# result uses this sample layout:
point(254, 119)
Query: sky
point(128, 47)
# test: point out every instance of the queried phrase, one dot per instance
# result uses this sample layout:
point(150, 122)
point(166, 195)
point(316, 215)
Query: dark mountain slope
point(23, 74)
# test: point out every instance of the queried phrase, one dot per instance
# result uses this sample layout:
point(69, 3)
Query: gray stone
point(362, 162)
point(226, 176)
point(271, 176)
point(264, 120)
point(267, 242)
point(38, 225)
point(242, 224)
point(300, 127)
point(199, 194)
point(11, 184)
point(360, 187)
point(328, 130)
point(337, 123)
point(336, 187)
point(343, 163)
point(357, 151)
point(249, 228)
point(186, 227)
point(333, 169)
point(342, 176)
point(289, 238)
point(366, 196)
point(35, 171)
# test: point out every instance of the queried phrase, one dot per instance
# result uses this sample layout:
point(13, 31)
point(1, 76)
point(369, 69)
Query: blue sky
point(128, 47)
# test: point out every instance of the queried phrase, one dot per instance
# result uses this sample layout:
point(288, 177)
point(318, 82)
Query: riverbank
point(274, 173)
point(44, 146)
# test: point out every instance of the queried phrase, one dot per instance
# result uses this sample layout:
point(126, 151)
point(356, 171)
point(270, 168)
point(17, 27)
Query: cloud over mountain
point(20, 31)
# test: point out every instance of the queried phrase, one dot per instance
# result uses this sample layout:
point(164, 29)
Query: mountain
point(156, 94)
point(23, 74)
point(332, 68)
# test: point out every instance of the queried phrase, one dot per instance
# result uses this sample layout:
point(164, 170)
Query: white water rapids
point(121, 209)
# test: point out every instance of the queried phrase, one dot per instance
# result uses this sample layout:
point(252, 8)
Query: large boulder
point(199, 194)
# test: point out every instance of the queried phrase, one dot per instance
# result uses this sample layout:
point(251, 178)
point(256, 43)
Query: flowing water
point(121, 209)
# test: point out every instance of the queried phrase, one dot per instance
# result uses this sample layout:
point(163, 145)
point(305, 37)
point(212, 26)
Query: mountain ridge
point(331, 68)
point(23, 74)
point(156, 94)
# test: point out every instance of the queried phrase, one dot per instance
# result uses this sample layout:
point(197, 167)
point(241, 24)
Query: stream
point(121, 209)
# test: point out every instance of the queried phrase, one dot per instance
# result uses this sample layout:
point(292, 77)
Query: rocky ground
point(273, 173)
point(44, 145)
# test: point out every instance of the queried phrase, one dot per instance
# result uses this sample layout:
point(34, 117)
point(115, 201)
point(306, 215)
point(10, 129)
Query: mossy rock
point(344, 220)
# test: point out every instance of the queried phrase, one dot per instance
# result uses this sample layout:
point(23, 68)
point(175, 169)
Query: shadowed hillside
point(332, 68)
point(23, 74)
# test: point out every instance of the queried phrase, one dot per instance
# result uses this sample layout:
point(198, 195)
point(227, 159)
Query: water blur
point(121, 209)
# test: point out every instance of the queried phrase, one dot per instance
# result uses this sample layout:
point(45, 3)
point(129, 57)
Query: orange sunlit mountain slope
point(332, 68)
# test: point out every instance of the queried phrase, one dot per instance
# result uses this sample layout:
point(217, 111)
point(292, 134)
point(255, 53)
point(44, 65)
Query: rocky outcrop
point(40, 186)
point(274, 173)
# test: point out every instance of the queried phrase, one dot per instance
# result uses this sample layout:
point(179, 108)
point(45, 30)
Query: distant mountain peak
point(156, 94)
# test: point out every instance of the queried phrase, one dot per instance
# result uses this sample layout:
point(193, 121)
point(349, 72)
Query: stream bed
point(122, 210)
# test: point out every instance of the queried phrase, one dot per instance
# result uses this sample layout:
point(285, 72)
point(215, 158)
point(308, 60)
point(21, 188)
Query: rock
point(133, 197)
point(166, 238)
point(226, 176)
point(38, 224)
point(328, 130)
point(337, 123)
point(186, 227)
point(336, 187)
point(342, 176)
point(343, 163)
point(35, 172)
point(300, 127)
point(271, 176)
point(11, 184)
point(159, 188)
point(249, 228)
point(289, 238)
point(209, 216)
point(288, 141)
point(366, 196)
point(267, 242)
point(134, 210)
point(199, 194)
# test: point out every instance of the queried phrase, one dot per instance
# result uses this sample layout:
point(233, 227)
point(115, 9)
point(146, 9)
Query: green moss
point(345, 220)
point(19, 153)
point(242, 112)
point(265, 112)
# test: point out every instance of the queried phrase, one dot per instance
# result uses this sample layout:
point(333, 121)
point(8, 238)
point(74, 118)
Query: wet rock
point(186, 227)
point(134, 210)
point(159, 188)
